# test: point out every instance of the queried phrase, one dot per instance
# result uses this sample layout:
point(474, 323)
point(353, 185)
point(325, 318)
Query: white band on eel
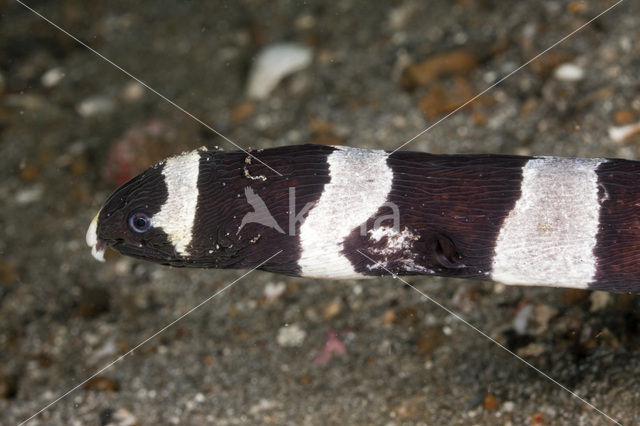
point(360, 184)
point(549, 236)
point(177, 215)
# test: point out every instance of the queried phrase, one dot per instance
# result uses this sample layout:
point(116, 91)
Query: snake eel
point(341, 213)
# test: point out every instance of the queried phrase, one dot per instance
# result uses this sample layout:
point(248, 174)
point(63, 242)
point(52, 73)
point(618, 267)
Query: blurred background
point(273, 349)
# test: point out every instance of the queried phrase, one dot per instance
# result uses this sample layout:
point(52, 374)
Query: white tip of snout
point(92, 232)
point(97, 246)
point(98, 253)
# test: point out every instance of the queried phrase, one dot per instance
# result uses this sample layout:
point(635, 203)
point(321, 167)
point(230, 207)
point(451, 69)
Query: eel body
point(339, 212)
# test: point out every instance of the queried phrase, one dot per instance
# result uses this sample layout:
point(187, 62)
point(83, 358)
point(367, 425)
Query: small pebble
point(108, 349)
point(29, 173)
point(548, 63)
point(274, 290)
point(465, 298)
point(264, 405)
point(240, 113)
point(388, 317)
point(274, 63)
point(457, 62)
point(599, 300)
point(132, 91)
point(27, 101)
point(542, 315)
point(531, 350)
point(441, 100)
point(529, 106)
point(29, 195)
point(407, 409)
point(537, 419)
point(122, 417)
point(568, 72)
point(605, 336)
point(291, 335)
point(521, 320)
point(332, 309)
point(623, 116)
point(577, 7)
point(102, 384)
point(429, 339)
point(399, 16)
point(52, 77)
point(305, 22)
point(489, 402)
point(94, 106)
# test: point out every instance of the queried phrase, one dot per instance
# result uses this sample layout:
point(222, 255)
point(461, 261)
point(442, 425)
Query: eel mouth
point(98, 246)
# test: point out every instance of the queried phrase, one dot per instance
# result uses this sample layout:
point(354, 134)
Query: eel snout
point(97, 245)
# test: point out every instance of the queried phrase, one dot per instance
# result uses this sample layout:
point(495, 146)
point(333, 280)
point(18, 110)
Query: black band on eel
point(339, 212)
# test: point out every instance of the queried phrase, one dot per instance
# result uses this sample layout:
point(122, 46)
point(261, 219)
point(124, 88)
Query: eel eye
point(140, 222)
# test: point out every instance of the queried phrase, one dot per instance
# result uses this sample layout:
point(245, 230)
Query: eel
point(338, 212)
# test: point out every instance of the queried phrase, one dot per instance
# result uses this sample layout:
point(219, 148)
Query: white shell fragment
point(274, 63)
point(29, 195)
point(122, 417)
point(274, 290)
point(568, 72)
point(94, 106)
point(291, 336)
point(521, 320)
point(52, 77)
point(620, 133)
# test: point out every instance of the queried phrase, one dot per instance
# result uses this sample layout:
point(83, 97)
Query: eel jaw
point(97, 245)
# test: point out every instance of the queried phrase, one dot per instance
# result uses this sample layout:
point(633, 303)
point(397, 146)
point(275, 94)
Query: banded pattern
point(340, 212)
point(177, 213)
point(552, 227)
point(352, 196)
